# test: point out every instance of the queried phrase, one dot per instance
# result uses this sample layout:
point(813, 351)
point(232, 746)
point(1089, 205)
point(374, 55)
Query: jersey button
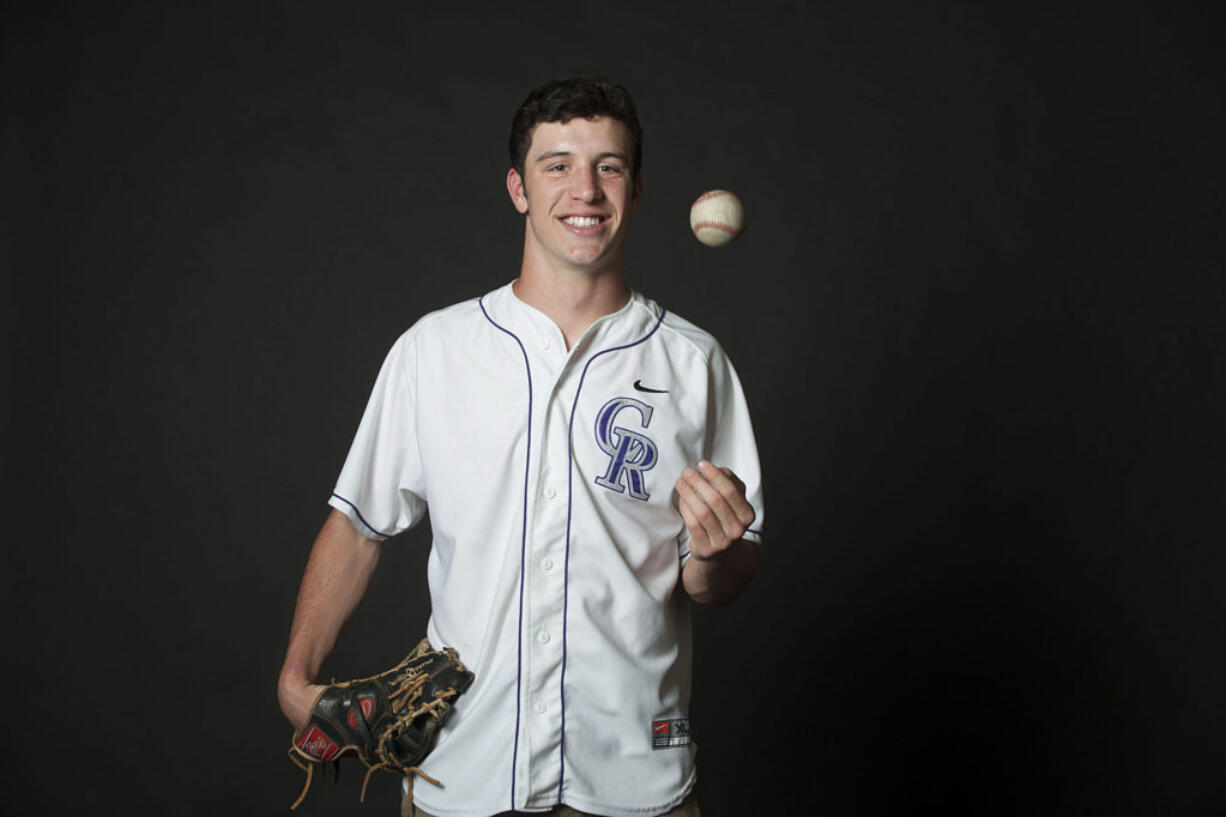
point(540, 706)
point(543, 636)
point(550, 493)
point(547, 564)
point(544, 343)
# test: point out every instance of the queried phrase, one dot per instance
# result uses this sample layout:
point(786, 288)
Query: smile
point(583, 221)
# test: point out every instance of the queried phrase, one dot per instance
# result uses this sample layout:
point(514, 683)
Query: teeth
point(582, 221)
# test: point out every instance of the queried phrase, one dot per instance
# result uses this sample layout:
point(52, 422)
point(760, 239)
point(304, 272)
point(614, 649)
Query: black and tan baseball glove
point(388, 721)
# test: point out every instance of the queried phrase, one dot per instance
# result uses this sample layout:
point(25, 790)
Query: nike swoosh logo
point(638, 385)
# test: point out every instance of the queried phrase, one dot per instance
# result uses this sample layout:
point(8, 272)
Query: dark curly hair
point(565, 99)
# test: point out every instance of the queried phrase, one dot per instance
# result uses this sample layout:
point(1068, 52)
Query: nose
point(586, 187)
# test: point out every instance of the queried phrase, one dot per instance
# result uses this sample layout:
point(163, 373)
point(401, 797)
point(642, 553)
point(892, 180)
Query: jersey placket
point(552, 539)
point(541, 631)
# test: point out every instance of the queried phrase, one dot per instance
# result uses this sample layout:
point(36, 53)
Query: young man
point(589, 468)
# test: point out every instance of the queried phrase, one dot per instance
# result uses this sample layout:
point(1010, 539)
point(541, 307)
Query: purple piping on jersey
point(362, 518)
point(523, 549)
point(570, 493)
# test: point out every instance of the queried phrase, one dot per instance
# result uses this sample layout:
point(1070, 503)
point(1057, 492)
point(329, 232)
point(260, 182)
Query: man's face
point(578, 192)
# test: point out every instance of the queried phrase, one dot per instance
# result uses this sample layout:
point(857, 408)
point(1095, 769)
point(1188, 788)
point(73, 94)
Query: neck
point(573, 300)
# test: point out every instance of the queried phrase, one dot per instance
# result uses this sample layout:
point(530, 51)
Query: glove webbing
point(430, 708)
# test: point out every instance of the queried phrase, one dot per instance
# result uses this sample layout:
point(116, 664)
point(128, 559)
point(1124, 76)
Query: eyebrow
point(554, 154)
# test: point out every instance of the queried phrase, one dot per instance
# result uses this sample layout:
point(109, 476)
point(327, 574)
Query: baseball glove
point(388, 721)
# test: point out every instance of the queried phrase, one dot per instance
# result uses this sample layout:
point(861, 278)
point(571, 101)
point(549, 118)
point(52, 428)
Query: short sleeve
point(730, 441)
point(381, 487)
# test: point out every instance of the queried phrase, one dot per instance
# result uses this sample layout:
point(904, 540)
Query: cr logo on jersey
point(630, 453)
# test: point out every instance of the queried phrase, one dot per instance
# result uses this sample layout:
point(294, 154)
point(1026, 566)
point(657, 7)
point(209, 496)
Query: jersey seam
point(705, 352)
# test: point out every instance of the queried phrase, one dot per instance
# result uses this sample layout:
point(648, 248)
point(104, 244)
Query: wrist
point(719, 556)
point(294, 677)
point(297, 698)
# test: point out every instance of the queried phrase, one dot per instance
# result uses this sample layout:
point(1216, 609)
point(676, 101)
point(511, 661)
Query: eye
point(556, 168)
point(607, 168)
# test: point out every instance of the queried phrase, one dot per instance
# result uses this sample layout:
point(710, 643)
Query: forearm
point(722, 577)
point(337, 574)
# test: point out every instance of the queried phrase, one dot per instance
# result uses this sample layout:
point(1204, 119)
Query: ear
point(515, 187)
point(638, 194)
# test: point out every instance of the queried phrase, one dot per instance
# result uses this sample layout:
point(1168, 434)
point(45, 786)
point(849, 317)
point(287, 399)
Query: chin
point(591, 263)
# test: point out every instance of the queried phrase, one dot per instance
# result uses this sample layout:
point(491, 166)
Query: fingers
point(712, 503)
point(724, 493)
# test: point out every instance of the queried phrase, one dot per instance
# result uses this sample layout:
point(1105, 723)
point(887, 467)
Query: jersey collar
point(627, 325)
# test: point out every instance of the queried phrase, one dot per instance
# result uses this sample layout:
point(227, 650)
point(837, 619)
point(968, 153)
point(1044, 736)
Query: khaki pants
point(688, 808)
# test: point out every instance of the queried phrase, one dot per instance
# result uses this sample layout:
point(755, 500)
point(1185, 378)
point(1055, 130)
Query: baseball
point(717, 217)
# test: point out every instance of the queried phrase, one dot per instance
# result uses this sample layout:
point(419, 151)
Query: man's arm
point(721, 564)
point(337, 573)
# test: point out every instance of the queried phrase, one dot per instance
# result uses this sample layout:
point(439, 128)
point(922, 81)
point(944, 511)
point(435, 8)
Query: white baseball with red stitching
point(717, 217)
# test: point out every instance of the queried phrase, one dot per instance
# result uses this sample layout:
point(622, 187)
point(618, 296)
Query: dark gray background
point(978, 312)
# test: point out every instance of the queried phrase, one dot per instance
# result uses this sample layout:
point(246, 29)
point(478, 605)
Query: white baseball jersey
point(558, 546)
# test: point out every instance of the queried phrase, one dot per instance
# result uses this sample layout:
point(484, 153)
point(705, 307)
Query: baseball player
point(589, 468)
